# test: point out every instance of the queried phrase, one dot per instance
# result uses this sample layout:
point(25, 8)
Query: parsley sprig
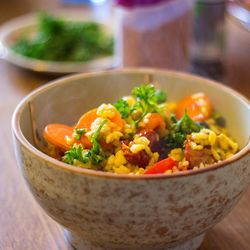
point(95, 155)
point(123, 107)
point(179, 131)
point(96, 152)
point(79, 132)
point(75, 153)
point(147, 99)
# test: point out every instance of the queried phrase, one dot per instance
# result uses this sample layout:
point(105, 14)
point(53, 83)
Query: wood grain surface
point(23, 224)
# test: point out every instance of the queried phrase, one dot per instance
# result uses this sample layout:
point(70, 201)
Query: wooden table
point(23, 224)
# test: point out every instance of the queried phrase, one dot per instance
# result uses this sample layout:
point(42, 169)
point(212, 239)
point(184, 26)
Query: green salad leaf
point(60, 40)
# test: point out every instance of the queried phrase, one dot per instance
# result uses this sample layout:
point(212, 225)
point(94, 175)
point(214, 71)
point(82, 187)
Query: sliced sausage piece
point(196, 157)
point(153, 137)
point(140, 159)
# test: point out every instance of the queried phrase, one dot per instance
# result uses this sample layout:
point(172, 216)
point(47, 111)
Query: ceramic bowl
point(107, 211)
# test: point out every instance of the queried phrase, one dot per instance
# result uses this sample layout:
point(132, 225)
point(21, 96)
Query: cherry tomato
point(198, 107)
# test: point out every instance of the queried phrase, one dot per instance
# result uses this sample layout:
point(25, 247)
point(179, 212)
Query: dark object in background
point(213, 70)
point(68, 41)
point(209, 38)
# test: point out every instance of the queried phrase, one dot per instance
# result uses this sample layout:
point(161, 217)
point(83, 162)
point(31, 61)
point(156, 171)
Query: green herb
point(75, 153)
point(186, 125)
point(174, 140)
point(160, 96)
point(173, 118)
point(123, 107)
point(60, 40)
point(97, 154)
point(146, 97)
point(179, 131)
point(147, 100)
point(79, 132)
point(86, 156)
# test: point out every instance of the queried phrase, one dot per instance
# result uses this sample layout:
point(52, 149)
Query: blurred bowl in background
point(26, 25)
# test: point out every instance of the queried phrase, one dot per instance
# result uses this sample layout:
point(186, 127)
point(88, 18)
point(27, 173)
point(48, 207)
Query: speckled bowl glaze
point(107, 211)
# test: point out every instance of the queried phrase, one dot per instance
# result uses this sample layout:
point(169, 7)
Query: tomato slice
point(161, 166)
point(198, 107)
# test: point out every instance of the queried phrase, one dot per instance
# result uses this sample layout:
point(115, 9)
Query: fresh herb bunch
point(147, 101)
point(60, 40)
point(76, 153)
point(94, 156)
point(179, 131)
point(123, 107)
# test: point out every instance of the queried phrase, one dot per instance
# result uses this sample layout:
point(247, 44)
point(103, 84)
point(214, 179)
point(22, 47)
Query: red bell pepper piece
point(161, 166)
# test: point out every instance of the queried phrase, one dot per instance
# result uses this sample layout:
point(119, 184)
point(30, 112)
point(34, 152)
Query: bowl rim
point(17, 132)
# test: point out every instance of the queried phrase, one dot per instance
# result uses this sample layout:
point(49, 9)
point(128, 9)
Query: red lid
point(137, 3)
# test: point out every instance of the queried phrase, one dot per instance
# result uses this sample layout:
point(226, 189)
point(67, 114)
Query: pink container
point(153, 33)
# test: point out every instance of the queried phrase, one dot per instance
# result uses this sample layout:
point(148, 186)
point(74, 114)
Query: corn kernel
point(169, 171)
point(106, 111)
point(141, 140)
point(135, 148)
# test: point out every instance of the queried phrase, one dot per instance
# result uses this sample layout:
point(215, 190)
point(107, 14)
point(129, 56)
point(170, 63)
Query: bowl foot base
point(81, 244)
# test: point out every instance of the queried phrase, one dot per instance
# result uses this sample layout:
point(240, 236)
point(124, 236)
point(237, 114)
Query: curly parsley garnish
point(79, 132)
point(179, 131)
point(75, 153)
point(147, 99)
point(95, 155)
point(123, 107)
